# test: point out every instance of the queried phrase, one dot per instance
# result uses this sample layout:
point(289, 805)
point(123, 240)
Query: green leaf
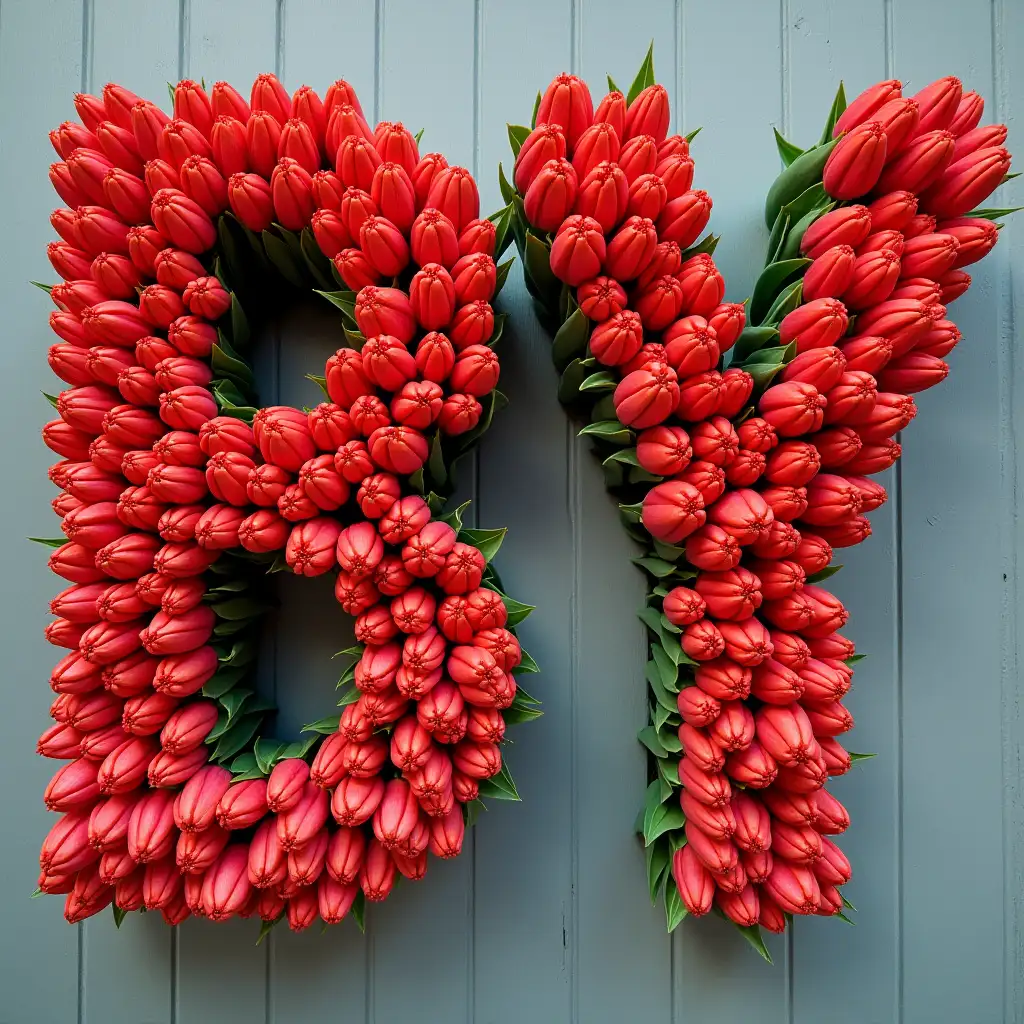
point(994, 213)
point(570, 341)
point(657, 567)
point(537, 260)
point(527, 665)
point(801, 174)
point(668, 672)
point(853, 659)
point(675, 909)
point(666, 817)
point(344, 300)
point(517, 135)
point(222, 681)
point(769, 285)
point(237, 737)
point(649, 738)
point(846, 902)
point(669, 740)
point(753, 935)
point(324, 726)
point(692, 135)
point(601, 381)
point(239, 322)
point(659, 858)
point(570, 382)
point(52, 399)
point(48, 288)
point(777, 237)
point(300, 748)
point(612, 87)
point(706, 246)
point(608, 430)
point(454, 520)
point(316, 262)
point(266, 927)
point(268, 753)
point(501, 274)
point(499, 328)
point(644, 77)
point(838, 106)
point(669, 771)
point(500, 786)
point(239, 608)
point(654, 680)
point(435, 464)
point(823, 574)
point(751, 340)
point(790, 247)
point(225, 362)
point(787, 150)
point(536, 107)
point(787, 301)
point(855, 758)
point(517, 611)
point(488, 542)
point(283, 258)
point(49, 542)
point(626, 456)
point(507, 188)
point(119, 914)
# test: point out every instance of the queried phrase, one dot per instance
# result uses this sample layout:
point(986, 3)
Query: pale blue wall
point(545, 918)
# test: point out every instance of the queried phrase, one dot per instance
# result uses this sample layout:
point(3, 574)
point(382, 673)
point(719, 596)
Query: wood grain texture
point(545, 917)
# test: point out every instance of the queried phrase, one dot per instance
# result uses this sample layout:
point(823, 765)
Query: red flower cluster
point(745, 510)
point(157, 486)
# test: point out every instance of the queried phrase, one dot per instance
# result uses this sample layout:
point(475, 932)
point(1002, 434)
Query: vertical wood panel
point(222, 974)
point(424, 933)
point(524, 895)
point(129, 971)
point(1008, 40)
point(842, 973)
point(49, 36)
point(309, 970)
point(624, 959)
point(953, 512)
point(715, 973)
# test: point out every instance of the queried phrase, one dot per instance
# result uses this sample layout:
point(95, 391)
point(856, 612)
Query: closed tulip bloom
point(854, 166)
point(848, 225)
point(939, 103)
point(566, 102)
point(551, 194)
point(251, 201)
point(603, 195)
point(830, 274)
point(815, 324)
point(899, 120)
point(919, 163)
point(793, 408)
point(578, 250)
point(873, 278)
point(647, 397)
point(979, 138)
point(684, 218)
point(863, 106)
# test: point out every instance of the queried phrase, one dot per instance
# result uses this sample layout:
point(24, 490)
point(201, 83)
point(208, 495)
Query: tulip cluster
point(176, 495)
point(741, 481)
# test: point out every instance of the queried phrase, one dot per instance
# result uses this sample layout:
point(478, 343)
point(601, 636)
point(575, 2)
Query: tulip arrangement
point(178, 494)
point(740, 439)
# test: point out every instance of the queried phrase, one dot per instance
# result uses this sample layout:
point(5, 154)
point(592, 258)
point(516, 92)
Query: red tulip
point(899, 120)
point(854, 166)
point(849, 225)
point(816, 324)
point(578, 250)
point(920, 163)
point(453, 191)
point(684, 218)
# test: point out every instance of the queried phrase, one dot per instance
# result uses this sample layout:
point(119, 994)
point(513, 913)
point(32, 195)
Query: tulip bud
point(684, 218)
point(551, 194)
point(251, 200)
point(849, 225)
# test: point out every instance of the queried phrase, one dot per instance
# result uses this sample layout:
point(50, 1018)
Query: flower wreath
point(179, 493)
point(739, 474)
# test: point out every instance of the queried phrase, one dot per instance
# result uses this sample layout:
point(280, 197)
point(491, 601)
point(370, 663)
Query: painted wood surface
point(545, 918)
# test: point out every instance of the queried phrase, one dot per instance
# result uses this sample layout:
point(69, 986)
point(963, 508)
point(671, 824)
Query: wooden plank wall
point(545, 917)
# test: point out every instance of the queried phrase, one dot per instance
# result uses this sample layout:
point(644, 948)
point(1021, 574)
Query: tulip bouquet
point(739, 438)
point(179, 494)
